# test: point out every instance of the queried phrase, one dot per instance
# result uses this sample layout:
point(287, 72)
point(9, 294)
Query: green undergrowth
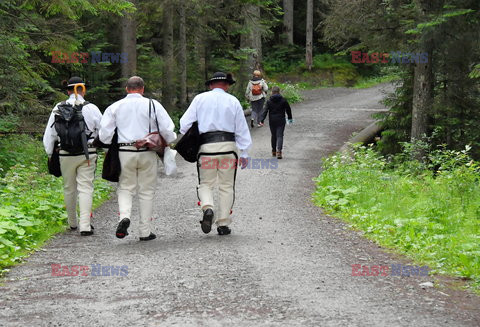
point(327, 71)
point(176, 115)
point(32, 208)
point(365, 83)
point(291, 92)
point(287, 67)
point(428, 210)
point(20, 149)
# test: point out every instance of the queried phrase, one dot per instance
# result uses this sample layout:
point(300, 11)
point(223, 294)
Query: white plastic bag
point(169, 162)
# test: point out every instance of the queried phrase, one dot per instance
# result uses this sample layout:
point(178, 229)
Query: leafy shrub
point(32, 210)
point(9, 123)
point(327, 70)
point(32, 201)
point(176, 115)
point(396, 122)
point(283, 59)
point(291, 92)
point(327, 61)
point(21, 149)
point(365, 83)
point(430, 215)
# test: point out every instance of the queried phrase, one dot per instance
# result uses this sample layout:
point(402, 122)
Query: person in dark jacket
point(277, 106)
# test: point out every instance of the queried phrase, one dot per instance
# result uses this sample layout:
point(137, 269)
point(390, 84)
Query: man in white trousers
point(223, 132)
point(78, 172)
point(130, 116)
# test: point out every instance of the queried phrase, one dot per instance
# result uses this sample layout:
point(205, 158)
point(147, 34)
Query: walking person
point(223, 133)
point(277, 106)
point(130, 117)
point(74, 123)
point(256, 93)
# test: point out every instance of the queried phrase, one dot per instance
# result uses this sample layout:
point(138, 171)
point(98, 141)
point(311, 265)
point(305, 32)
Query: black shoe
point(223, 230)
point(75, 228)
point(207, 221)
point(149, 237)
point(86, 233)
point(251, 123)
point(122, 228)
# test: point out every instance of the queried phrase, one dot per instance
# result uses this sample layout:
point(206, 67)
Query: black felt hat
point(221, 76)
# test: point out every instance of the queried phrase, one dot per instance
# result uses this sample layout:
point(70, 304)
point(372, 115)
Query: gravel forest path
point(285, 264)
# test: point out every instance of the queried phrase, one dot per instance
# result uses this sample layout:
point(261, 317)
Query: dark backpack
point(70, 126)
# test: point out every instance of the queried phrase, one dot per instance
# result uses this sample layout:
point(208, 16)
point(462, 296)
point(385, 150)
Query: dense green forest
point(174, 45)
point(430, 49)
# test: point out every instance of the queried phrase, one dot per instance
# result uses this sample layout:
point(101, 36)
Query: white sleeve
point(107, 126)
point(50, 136)
point(265, 86)
point(242, 133)
point(189, 117)
point(93, 118)
point(165, 123)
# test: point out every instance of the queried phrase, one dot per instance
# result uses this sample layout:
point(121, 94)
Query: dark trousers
point(277, 128)
point(257, 109)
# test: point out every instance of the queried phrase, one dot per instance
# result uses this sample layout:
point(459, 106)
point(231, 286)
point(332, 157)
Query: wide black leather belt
point(130, 147)
point(64, 153)
point(217, 136)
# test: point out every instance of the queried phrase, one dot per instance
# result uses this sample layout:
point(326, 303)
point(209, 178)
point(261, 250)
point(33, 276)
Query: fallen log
point(366, 135)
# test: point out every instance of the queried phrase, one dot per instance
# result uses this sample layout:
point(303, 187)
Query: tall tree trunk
point(423, 81)
point(246, 66)
point(182, 56)
point(129, 44)
point(422, 96)
point(288, 21)
point(200, 57)
point(168, 82)
point(253, 38)
point(257, 36)
point(309, 41)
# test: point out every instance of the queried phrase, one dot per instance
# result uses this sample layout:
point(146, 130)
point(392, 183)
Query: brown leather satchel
point(153, 140)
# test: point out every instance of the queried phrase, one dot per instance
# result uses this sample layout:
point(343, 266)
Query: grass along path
point(433, 219)
point(32, 208)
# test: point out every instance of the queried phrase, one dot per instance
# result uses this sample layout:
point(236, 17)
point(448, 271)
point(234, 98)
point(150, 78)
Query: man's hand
point(243, 162)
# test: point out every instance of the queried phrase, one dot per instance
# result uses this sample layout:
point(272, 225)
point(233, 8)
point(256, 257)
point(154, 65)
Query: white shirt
point(217, 110)
point(91, 114)
point(130, 117)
